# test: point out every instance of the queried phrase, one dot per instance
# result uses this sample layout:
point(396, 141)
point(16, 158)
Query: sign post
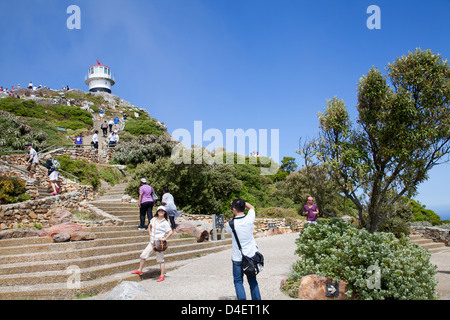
point(272, 226)
point(218, 222)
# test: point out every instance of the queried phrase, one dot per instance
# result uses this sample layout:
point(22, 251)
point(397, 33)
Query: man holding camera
point(243, 225)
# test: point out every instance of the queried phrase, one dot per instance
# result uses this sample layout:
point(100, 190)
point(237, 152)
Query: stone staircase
point(430, 245)
point(38, 269)
point(44, 192)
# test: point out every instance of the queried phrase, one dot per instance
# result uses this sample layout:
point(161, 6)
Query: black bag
point(251, 266)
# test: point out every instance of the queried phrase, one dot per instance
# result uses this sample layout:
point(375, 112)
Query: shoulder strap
point(235, 235)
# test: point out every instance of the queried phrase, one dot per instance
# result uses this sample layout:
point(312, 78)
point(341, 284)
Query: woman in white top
point(159, 228)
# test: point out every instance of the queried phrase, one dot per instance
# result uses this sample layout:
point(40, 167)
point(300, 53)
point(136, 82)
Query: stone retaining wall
point(87, 193)
point(29, 213)
point(261, 224)
point(89, 154)
point(434, 233)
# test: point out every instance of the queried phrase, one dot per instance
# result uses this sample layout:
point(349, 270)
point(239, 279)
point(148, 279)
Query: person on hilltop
point(104, 127)
point(113, 139)
point(79, 141)
point(95, 140)
point(311, 211)
point(145, 203)
point(116, 122)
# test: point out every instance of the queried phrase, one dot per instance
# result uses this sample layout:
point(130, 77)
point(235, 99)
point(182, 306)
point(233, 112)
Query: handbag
point(158, 245)
point(251, 266)
point(154, 196)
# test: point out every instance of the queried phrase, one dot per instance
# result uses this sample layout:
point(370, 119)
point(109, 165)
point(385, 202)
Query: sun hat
point(143, 180)
point(161, 208)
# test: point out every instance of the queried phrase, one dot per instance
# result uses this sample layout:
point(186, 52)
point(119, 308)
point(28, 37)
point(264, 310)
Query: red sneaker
point(137, 272)
point(160, 279)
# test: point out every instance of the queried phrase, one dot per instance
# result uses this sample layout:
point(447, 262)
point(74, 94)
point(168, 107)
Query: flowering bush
point(375, 265)
point(12, 190)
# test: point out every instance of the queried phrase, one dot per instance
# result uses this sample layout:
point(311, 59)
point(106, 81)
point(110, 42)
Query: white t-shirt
point(113, 138)
point(244, 228)
point(34, 154)
point(160, 230)
point(167, 198)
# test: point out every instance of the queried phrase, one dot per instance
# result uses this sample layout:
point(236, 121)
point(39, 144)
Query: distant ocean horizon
point(444, 213)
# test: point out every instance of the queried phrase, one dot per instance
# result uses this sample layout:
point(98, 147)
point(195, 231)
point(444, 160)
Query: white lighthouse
point(99, 78)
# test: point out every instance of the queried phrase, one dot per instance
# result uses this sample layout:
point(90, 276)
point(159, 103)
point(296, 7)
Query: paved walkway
point(442, 261)
point(214, 273)
point(210, 277)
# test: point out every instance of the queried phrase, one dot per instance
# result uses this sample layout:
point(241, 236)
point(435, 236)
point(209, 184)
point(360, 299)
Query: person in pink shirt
point(311, 211)
point(145, 202)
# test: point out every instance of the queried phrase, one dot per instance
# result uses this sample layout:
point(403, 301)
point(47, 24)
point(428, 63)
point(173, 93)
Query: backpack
point(56, 166)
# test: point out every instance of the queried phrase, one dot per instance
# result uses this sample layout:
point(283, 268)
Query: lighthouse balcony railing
point(100, 76)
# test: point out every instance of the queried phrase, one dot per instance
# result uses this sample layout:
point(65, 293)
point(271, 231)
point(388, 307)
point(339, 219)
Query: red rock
point(313, 287)
point(67, 228)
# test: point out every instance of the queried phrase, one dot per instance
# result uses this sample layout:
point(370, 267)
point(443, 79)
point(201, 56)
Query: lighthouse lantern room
point(99, 78)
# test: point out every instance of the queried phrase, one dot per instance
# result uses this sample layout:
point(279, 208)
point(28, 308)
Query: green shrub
point(197, 189)
point(85, 171)
point(274, 212)
point(143, 128)
point(145, 148)
point(12, 190)
point(421, 213)
point(74, 114)
point(111, 175)
point(338, 250)
point(17, 133)
point(73, 125)
point(22, 108)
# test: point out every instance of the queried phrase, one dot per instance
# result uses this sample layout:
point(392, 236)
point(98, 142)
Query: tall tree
point(403, 132)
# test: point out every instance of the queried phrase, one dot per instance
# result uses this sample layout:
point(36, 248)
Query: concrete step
point(37, 268)
point(429, 244)
point(421, 241)
point(93, 270)
point(100, 260)
point(94, 279)
point(113, 206)
point(73, 250)
point(23, 241)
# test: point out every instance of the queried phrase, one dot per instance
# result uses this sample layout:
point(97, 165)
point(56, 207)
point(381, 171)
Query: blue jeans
point(238, 277)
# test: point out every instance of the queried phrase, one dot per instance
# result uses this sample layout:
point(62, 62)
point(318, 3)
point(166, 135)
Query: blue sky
point(260, 64)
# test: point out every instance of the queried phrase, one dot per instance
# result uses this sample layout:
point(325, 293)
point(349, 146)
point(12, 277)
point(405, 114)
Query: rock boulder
point(64, 228)
point(313, 287)
point(59, 216)
point(129, 290)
